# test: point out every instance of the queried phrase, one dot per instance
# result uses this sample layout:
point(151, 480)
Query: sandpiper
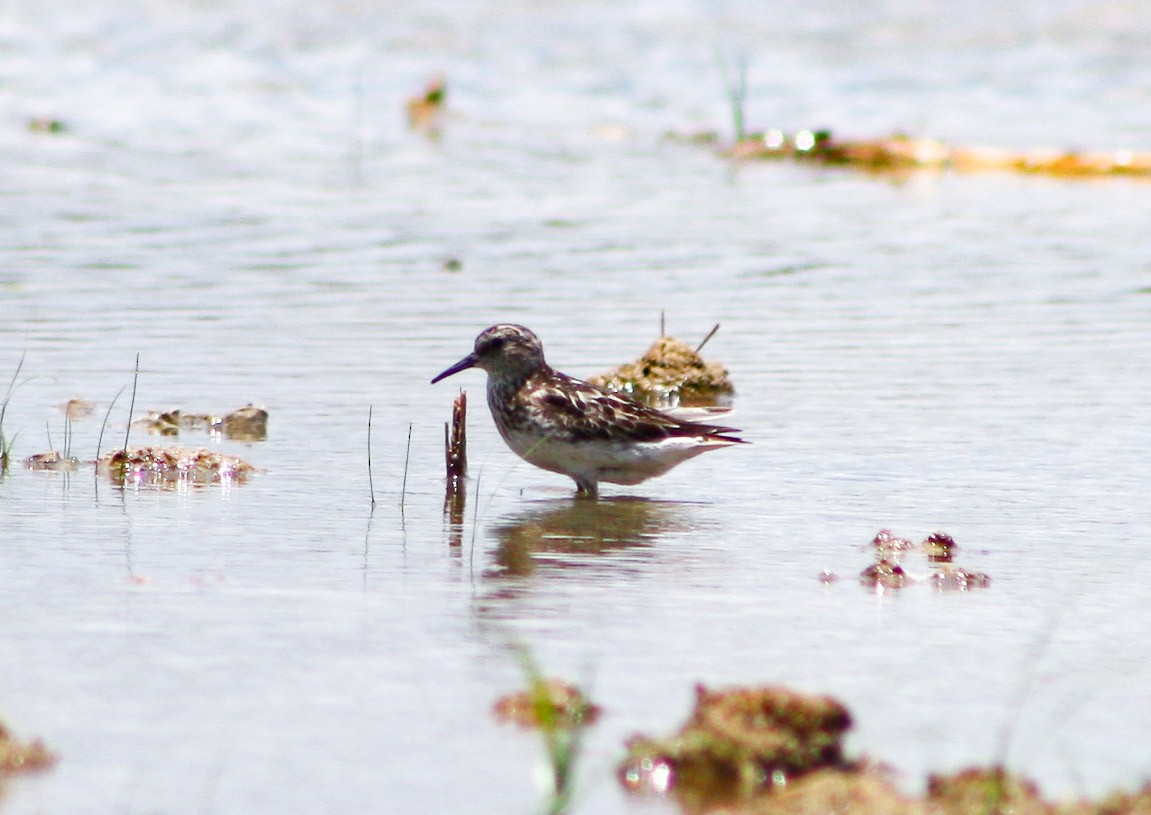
point(561, 424)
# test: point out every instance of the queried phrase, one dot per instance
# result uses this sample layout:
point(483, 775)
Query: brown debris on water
point(249, 423)
point(77, 408)
point(669, 373)
point(773, 751)
point(549, 703)
point(46, 124)
point(888, 571)
point(170, 466)
point(902, 153)
point(863, 791)
point(426, 109)
point(939, 547)
point(160, 423)
point(456, 464)
point(884, 574)
point(1127, 803)
point(52, 461)
point(17, 757)
point(987, 791)
point(740, 742)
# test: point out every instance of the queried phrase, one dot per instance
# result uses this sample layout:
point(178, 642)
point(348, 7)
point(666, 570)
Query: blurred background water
point(237, 198)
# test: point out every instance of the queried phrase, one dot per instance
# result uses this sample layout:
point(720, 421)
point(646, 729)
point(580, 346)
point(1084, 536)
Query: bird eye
point(496, 343)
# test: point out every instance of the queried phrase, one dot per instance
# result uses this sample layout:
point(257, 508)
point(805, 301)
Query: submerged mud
point(167, 467)
point(18, 756)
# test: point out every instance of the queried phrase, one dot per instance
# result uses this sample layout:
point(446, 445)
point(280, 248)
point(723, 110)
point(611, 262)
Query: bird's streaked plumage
point(561, 424)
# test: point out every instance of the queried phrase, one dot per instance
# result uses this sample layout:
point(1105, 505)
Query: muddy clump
point(549, 703)
point(900, 152)
point(669, 373)
point(77, 408)
point(52, 461)
point(18, 757)
point(888, 572)
point(864, 791)
point(426, 109)
point(990, 790)
point(249, 423)
point(170, 466)
point(738, 743)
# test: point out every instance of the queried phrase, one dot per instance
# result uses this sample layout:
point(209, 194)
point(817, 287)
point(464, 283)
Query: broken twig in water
point(456, 454)
point(457, 443)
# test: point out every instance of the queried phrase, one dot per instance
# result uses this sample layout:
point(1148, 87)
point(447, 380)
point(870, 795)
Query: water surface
point(237, 199)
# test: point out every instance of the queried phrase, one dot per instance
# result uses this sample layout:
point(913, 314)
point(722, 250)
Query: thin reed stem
point(132, 405)
point(371, 485)
point(706, 339)
point(407, 458)
point(103, 424)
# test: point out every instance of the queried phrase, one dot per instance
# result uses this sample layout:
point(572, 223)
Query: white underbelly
point(615, 462)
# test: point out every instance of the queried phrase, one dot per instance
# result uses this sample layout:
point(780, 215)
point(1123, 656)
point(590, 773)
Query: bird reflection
point(581, 528)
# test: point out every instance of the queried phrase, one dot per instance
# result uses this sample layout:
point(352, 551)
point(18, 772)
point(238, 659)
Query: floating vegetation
point(170, 466)
point(774, 751)
point(740, 742)
point(669, 373)
point(561, 713)
point(5, 442)
point(166, 423)
point(887, 572)
point(249, 423)
point(18, 757)
point(900, 152)
point(52, 460)
point(426, 109)
point(865, 790)
point(77, 408)
point(547, 702)
point(46, 124)
point(989, 790)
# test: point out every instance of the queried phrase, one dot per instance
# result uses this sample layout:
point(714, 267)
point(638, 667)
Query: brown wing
point(583, 412)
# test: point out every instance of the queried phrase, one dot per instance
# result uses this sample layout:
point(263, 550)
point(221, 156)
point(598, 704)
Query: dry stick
point(131, 406)
point(457, 452)
point(710, 334)
point(456, 457)
point(407, 458)
point(371, 486)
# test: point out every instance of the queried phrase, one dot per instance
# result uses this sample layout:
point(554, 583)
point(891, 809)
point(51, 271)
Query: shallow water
point(237, 199)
